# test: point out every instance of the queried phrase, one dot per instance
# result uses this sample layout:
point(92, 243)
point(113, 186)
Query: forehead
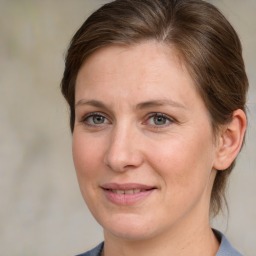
point(145, 70)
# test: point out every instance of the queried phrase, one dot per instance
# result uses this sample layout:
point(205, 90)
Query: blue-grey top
point(226, 249)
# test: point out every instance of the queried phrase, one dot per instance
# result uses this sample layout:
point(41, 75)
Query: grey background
point(41, 209)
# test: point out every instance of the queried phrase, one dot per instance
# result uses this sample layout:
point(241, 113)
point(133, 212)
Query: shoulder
point(226, 249)
point(94, 252)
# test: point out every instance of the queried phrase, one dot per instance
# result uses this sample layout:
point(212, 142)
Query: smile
point(130, 191)
point(126, 194)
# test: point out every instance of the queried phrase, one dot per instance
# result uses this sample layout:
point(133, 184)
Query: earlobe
point(230, 140)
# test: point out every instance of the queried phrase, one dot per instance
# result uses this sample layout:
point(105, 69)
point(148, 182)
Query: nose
point(124, 151)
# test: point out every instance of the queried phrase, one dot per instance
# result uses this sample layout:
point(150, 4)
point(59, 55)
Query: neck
point(196, 240)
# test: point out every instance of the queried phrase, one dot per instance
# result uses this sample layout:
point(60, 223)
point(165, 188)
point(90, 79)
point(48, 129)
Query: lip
point(128, 193)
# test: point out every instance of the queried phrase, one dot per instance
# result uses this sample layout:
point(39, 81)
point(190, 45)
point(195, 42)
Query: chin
point(131, 227)
point(131, 234)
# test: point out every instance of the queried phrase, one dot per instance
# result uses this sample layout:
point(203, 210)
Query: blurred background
point(41, 209)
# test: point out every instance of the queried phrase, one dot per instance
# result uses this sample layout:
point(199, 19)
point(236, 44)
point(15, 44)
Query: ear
point(230, 140)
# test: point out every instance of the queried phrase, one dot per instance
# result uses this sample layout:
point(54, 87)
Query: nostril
point(123, 161)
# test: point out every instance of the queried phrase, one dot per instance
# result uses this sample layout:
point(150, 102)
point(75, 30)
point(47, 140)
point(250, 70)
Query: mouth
point(129, 191)
point(126, 194)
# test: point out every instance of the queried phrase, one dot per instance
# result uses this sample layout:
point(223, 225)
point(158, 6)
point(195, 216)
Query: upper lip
point(126, 186)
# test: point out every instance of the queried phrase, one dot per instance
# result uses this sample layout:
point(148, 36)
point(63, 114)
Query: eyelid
point(91, 114)
point(169, 118)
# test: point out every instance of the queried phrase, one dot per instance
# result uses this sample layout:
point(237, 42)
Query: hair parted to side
point(206, 42)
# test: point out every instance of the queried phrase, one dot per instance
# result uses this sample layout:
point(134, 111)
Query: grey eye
point(159, 120)
point(98, 119)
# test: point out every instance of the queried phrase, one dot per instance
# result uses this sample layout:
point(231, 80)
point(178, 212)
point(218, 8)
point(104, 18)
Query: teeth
point(119, 191)
point(130, 191)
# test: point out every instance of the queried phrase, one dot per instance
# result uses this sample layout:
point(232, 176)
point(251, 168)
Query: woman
point(157, 93)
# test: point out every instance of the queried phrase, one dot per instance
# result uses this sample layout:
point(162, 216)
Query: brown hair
point(205, 40)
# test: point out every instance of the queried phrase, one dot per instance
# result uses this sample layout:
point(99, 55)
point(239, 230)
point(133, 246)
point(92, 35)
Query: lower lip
point(126, 199)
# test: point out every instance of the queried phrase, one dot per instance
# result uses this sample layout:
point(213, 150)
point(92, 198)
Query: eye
point(98, 119)
point(95, 119)
point(159, 119)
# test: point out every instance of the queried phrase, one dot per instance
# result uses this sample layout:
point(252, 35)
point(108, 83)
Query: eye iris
point(159, 120)
point(98, 119)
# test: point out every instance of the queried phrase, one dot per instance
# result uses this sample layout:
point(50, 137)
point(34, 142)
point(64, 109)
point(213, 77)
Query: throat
point(196, 245)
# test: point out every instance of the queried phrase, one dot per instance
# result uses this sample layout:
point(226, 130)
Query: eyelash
point(167, 118)
point(94, 114)
point(162, 115)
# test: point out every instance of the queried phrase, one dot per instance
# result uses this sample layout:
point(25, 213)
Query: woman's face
point(143, 146)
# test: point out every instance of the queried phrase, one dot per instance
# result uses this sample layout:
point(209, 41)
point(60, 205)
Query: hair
point(202, 37)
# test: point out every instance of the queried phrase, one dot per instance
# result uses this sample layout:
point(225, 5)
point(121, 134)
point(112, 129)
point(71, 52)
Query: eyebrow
point(142, 105)
point(157, 103)
point(94, 103)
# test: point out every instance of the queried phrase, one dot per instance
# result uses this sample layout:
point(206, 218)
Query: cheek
point(86, 156)
point(184, 162)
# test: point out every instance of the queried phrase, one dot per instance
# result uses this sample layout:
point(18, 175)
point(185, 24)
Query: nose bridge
point(123, 151)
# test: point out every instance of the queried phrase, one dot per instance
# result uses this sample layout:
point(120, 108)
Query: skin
point(120, 136)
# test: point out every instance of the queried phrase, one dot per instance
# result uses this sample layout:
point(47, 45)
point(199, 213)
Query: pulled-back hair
point(201, 35)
